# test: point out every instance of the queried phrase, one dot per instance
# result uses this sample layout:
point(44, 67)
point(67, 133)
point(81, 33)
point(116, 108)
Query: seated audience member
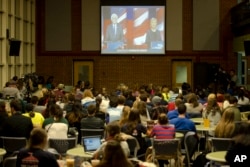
point(173, 94)
point(158, 108)
point(233, 105)
point(46, 112)
point(113, 133)
point(129, 98)
point(212, 112)
point(120, 102)
point(68, 107)
point(144, 97)
point(75, 116)
point(36, 117)
point(114, 156)
point(92, 122)
point(181, 122)
point(163, 130)
point(194, 108)
point(174, 113)
point(171, 105)
point(99, 112)
point(242, 99)
point(226, 127)
point(124, 117)
point(226, 101)
point(17, 125)
point(3, 116)
point(134, 128)
point(201, 97)
point(88, 98)
point(144, 115)
point(11, 90)
point(56, 125)
point(34, 154)
point(113, 113)
point(240, 148)
point(37, 108)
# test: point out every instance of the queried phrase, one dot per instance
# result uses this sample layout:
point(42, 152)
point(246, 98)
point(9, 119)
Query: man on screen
point(114, 34)
point(153, 36)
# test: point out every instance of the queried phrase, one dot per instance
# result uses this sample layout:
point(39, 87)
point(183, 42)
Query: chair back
point(10, 162)
point(132, 144)
point(12, 144)
point(165, 148)
point(220, 144)
point(62, 145)
point(191, 142)
point(92, 132)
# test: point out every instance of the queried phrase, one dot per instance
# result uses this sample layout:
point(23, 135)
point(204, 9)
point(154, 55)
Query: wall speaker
point(247, 47)
point(14, 47)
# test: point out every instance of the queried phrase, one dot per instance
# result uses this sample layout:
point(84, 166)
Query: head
point(56, 111)
point(156, 100)
point(121, 100)
point(163, 119)
point(113, 101)
point(91, 110)
point(142, 107)
point(38, 137)
point(113, 129)
point(114, 154)
point(182, 109)
point(34, 100)
point(233, 100)
point(153, 23)
point(114, 18)
point(134, 116)
point(15, 106)
point(87, 93)
point(228, 115)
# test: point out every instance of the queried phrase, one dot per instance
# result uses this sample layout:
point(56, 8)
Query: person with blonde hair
point(194, 108)
point(87, 97)
point(124, 116)
point(226, 126)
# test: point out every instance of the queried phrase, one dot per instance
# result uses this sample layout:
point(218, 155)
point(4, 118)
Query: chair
point(10, 162)
point(62, 145)
point(167, 149)
point(133, 147)
point(12, 144)
point(191, 142)
point(92, 132)
point(220, 144)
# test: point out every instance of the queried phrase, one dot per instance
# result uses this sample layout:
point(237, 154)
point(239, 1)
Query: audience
point(36, 117)
point(92, 122)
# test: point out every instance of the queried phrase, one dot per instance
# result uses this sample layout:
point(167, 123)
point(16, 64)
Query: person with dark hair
point(46, 113)
point(11, 91)
point(38, 108)
point(56, 125)
point(242, 99)
point(113, 133)
point(174, 113)
point(17, 125)
point(92, 122)
point(114, 156)
point(240, 148)
point(181, 122)
point(99, 113)
point(3, 116)
point(134, 128)
point(36, 118)
point(34, 154)
point(233, 105)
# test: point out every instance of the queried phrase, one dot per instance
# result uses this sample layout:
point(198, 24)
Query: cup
point(206, 123)
point(70, 162)
point(61, 163)
point(95, 162)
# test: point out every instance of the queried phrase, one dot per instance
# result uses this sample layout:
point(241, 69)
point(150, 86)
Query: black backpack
point(200, 160)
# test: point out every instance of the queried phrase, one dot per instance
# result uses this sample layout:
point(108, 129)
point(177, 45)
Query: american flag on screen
point(135, 22)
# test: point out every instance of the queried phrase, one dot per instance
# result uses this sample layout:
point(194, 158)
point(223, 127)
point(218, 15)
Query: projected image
point(133, 30)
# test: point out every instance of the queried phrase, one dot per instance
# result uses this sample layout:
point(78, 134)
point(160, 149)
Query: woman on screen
point(153, 35)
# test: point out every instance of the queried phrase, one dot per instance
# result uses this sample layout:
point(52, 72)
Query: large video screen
point(136, 29)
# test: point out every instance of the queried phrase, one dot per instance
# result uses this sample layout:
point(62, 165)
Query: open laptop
point(91, 143)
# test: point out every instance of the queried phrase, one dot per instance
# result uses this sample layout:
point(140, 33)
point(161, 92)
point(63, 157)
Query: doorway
point(181, 72)
point(83, 70)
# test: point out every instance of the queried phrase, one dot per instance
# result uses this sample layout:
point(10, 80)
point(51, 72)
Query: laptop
point(91, 143)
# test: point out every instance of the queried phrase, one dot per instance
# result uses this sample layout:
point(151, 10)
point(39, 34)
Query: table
point(197, 120)
point(201, 128)
point(2, 153)
point(218, 156)
point(179, 135)
point(78, 151)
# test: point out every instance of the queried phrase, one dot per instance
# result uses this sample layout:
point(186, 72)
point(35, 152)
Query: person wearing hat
point(11, 91)
point(158, 108)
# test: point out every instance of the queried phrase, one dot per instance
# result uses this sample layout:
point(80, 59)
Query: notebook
point(91, 143)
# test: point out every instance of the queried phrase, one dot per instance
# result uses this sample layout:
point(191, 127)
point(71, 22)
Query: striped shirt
point(163, 131)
